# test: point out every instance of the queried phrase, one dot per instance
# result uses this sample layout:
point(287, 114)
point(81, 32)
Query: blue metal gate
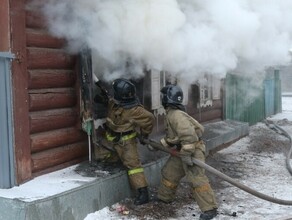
point(273, 99)
point(269, 97)
point(7, 177)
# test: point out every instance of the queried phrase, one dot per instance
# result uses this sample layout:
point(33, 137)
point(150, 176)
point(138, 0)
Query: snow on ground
point(46, 185)
point(257, 161)
point(286, 109)
point(263, 171)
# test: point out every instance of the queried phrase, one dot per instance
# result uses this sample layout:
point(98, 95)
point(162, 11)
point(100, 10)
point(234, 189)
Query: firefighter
point(127, 117)
point(183, 133)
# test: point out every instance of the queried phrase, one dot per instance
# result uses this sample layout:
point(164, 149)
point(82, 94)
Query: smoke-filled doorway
point(95, 87)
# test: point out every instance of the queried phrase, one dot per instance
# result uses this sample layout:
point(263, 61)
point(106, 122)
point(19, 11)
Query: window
point(158, 80)
point(205, 92)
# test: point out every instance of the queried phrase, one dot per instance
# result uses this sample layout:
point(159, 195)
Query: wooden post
point(4, 24)
point(20, 91)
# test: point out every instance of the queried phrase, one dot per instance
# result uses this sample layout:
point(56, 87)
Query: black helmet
point(171, 95)
point(124, 90)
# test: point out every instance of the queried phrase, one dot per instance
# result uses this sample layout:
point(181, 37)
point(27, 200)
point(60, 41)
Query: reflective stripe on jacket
point(135, 171)
point(126, 137)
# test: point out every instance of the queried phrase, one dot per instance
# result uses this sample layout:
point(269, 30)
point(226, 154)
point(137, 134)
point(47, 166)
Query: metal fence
point(7, 177)
point(249, 101)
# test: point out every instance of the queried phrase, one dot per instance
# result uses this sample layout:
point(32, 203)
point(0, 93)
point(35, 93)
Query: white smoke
point(184, 37)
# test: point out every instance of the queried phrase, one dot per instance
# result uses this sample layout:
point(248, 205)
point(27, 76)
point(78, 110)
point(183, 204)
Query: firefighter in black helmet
point(184, 133)
point(125, 92)
point(126, 117)
point(172, 96)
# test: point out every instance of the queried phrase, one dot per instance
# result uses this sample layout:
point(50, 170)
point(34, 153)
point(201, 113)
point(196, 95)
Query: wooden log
point(34, 19)
point(42, 58)
point(42, 79)
point(52, 119)
point(47, 140)
point(56, 156)
point(41, 38)
point(43, 99)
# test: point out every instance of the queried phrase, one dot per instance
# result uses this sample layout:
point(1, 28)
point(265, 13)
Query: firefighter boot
point(207, 215)
point(142, 196)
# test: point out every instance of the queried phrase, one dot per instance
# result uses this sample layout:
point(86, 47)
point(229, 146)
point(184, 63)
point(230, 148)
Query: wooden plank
point(20, 93)
point(55, 138)
point(4, 24)
point(42, 58)
point(56, 156)
point(40, 38)
point(34, 19)
point(44, 99)
point(52, 119)
point(41, 79)
point(77, 87)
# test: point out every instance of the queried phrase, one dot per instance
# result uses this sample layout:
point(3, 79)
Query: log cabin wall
point(55, 137)
point(46, 105)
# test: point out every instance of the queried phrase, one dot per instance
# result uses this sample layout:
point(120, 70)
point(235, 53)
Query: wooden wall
point(46, 98)
point(204, 114)
point(55, 137)
point(207, 114)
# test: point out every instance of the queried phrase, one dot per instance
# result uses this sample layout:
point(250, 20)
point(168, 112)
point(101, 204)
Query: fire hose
point(280, 130)
point(251, 191)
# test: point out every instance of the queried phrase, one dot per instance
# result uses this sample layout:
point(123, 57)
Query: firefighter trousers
point(128, 153)
point(174, 170)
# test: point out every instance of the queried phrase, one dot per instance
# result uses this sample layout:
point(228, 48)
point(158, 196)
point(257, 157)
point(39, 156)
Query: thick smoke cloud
point(184, 37)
